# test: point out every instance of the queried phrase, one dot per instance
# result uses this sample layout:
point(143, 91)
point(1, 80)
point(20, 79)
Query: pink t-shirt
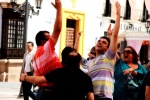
point(46, 60)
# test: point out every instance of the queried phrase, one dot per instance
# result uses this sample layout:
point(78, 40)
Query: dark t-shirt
point(70, 84)
point(146, 82)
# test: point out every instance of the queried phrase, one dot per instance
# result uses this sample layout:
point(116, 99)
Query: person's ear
point(106, 49)
point(43, 42)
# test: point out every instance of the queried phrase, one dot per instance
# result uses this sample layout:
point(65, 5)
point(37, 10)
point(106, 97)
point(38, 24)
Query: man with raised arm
point(46, 59)
point(101, 68)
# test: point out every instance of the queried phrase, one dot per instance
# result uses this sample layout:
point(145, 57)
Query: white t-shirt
point(28, 61)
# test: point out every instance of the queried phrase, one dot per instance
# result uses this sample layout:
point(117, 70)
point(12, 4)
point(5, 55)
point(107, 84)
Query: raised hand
point(109, 31)
point(77, 40)
point(57, 4)
point(117, 8)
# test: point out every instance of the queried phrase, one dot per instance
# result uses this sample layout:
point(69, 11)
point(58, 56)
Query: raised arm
point(77, 40)
point(109, 32)
point(114, 37)
point(58, 21)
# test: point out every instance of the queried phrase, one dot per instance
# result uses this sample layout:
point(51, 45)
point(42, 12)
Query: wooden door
point(70, 37)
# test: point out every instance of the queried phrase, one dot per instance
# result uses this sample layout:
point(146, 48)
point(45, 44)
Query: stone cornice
point(11, 60)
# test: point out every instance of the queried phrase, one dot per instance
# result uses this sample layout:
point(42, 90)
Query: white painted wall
point(93, 18)
point(44, 21)
point(95, 23)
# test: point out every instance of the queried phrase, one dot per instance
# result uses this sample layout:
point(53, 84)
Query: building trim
point(80, 18)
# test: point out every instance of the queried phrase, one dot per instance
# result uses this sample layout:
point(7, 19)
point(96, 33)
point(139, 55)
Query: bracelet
point(25, 78)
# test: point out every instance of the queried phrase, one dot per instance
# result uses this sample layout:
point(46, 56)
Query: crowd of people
point(105, 75)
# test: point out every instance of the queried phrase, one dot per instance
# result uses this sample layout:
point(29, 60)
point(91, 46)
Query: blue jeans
point(99, 98)
point(45, 94)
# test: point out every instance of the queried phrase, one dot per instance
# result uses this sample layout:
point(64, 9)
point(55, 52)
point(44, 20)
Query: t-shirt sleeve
point(89, 85)
point(111, 54)
point(53, 75)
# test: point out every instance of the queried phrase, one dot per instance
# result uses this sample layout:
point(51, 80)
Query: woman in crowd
point(128, 74)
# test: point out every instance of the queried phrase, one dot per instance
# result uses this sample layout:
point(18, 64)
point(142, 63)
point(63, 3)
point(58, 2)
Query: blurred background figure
point(86, 62)
point(27, 67)
point(20, 92)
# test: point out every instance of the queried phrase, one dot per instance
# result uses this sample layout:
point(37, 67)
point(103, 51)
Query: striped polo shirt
point(101, 72)
point(45, 60)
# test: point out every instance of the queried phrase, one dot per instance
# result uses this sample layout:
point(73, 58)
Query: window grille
point(15, 33)
point(13, 30)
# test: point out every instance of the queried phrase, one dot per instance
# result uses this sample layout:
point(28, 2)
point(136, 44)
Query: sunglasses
point(127, 51)
point(93, 53)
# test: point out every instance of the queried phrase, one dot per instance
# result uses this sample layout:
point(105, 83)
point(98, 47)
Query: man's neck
point(99, 53)
point(29, 51)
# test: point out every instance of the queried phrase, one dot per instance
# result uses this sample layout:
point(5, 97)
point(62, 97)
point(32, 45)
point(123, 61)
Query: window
point(127, 11)
point(13, 29)
point(15, 33)
point(107, 10)
point(145, 13)
point(144, 54)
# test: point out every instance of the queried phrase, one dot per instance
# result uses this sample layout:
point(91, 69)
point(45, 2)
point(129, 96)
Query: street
point(9, 90)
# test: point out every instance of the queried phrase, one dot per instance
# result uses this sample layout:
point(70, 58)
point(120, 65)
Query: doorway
point(72, 22)
point(70, 32)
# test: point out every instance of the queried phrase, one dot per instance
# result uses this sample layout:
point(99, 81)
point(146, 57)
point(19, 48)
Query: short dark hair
point(32, 44)
point(65, 53)
point(40, 36)
point(108, 40)
point(74, 60)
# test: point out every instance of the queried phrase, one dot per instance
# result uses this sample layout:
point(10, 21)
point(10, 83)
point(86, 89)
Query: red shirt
point(46, 60)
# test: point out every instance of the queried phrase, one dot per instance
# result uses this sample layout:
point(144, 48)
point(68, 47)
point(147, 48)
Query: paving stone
point(10, 91)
